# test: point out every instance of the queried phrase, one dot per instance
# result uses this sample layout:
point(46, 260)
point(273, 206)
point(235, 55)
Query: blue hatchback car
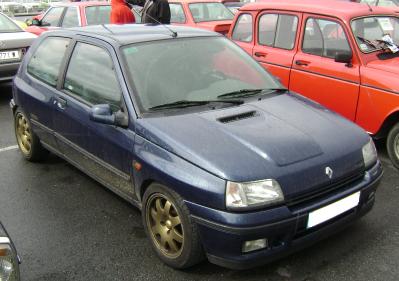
point(223, 162)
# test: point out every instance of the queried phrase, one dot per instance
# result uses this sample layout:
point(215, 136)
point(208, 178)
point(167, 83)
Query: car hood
point(285, 137)
point(390, 65)
point(11, 40)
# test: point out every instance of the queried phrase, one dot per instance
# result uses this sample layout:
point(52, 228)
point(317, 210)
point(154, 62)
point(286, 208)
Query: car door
point(316, 74)
point(38, 86)
point(103, 151)
point(276, 42)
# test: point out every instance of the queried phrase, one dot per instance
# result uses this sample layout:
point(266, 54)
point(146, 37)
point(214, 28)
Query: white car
point(14, 42)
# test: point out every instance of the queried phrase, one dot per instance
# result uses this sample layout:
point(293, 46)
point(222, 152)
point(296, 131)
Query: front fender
point(189, 181)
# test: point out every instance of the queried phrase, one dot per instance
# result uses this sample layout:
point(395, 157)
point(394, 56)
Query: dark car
point(221, 159)
point(9, 261)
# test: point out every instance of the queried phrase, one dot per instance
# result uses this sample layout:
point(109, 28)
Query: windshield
point(98, 14)
point(7, 25)
point(369, 31)
point(191, 69)
point(210, 12)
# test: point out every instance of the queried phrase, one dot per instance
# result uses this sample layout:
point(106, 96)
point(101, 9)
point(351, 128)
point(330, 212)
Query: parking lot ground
point(68, 227)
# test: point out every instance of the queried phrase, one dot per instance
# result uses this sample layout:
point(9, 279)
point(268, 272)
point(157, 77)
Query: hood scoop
point(237, 117)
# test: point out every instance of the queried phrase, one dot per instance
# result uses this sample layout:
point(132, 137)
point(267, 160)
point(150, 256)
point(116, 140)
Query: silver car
point(14, 42)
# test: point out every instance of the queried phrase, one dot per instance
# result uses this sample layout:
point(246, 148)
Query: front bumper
point(223, 233)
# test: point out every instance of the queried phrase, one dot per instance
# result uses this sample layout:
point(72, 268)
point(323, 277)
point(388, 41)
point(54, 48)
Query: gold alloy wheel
point(164, 224)
point(24, 136)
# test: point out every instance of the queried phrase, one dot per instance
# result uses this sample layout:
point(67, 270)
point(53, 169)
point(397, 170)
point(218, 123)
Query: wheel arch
point(388, 123)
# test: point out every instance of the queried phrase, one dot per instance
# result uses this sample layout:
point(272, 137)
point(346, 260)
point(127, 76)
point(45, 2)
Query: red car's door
point(277, 42)
point(242, 33)
point(317, 75)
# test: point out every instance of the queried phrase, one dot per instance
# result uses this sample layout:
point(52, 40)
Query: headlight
point(369, 154)
point(249, 195)
point(8, 261)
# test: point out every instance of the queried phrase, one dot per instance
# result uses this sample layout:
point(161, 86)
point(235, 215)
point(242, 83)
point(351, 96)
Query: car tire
point(169, 226)
point(393, 145)
point(28, 143)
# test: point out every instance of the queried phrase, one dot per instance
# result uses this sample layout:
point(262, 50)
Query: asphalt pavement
point(68, 227)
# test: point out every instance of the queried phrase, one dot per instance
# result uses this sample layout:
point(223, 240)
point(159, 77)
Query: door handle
point(61, 103)
point(260, 54)
point(301, 62)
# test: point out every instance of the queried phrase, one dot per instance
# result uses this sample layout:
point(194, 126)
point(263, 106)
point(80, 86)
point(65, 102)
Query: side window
point(324, 38)
point(243, 29)
point(46, 61)
point(387, 3)
point(53, 16)
point(370, 2)
point(98, 14)
point(176, 13)
point(71, 18)
point(278, 31)
point(91, 76)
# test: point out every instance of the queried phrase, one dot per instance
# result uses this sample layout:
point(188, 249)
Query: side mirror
point(102, 113)
point(344, 57)
point(34, 22)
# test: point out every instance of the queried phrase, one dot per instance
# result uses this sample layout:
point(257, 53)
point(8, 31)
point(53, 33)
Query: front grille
point(324, 192)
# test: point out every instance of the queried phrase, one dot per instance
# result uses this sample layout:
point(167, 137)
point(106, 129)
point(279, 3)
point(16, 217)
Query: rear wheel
point(29, 144)
point(168, 224)
point(393, 145)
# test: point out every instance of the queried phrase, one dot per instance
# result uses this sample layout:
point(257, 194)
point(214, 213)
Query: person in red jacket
point(121, 13)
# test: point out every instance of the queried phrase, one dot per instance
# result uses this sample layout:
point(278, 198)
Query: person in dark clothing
point(156, 11)
point(121, 13)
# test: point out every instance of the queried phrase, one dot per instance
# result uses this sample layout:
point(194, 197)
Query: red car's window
point(243, 29)
point(176, 13)
point(324, 38)
point(71, 18)
point(369, 31)
point(277, 31)
point(53, 16)
point(98, 14)
point(210, 12)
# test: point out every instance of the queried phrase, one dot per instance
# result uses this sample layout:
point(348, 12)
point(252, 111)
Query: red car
point(71, 14)
point(336, 53)
point(207, 14)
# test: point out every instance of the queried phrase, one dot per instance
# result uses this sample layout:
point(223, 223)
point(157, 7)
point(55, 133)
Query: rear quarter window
point(243, 29)
point(46, 61)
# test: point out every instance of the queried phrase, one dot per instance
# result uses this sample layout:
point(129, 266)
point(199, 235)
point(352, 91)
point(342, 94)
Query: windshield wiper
point(368, 42)
point(250, 92)
point(188, 103)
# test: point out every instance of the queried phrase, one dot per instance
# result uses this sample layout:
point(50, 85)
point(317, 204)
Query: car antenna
point(370, 9)
point(174, 33)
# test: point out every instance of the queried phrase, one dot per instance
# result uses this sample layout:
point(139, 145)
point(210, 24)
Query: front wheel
point(174, 236)
point(393, 145)
point(28, 143)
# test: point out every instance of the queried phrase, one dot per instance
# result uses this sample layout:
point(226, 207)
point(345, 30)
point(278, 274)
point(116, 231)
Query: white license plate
point(330, 211)
point(10, 55)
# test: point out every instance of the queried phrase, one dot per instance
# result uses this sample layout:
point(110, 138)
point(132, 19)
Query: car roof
point(132, 33)
point(81, 4)
point(339, 9)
